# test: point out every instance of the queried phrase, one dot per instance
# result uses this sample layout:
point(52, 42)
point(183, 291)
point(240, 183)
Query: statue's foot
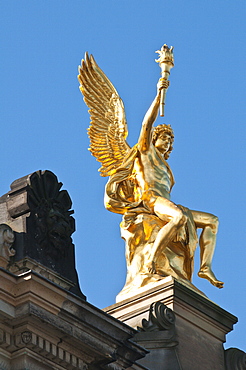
point(207, 273)
point(151, 267)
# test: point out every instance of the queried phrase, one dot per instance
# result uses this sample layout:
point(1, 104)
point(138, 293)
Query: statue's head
point(164, 132)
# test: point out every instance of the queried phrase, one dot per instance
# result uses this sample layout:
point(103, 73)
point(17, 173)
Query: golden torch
point(166, 62)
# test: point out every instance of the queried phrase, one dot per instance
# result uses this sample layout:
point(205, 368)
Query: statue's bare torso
point(152, 173)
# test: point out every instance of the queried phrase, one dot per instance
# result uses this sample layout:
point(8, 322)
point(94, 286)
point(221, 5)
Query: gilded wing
point(108, 127)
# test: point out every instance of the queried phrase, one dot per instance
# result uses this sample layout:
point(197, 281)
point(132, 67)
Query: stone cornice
point(43, 317)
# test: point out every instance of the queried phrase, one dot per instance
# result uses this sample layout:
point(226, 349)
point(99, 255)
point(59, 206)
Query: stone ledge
point(176, 296)
point(50, 321)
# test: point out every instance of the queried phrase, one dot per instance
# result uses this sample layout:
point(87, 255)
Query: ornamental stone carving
point(235, 359)
point(160, 318)
point(7, 238)
point(158, 335)
point(40, 213)
point(50, 216)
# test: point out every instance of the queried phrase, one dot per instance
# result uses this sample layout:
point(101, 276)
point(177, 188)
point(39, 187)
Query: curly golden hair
point(162, 131)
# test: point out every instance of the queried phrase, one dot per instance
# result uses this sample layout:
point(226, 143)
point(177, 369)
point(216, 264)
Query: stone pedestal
point(200, 327)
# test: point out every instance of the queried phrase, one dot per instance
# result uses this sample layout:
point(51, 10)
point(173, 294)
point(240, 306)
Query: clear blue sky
point(44, 119)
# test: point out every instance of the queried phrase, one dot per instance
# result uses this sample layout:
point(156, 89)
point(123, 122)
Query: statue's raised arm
point(145, 136)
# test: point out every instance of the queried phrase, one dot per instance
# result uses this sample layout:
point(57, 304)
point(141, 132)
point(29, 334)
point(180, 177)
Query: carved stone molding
point(40, 345)
point(52, 351)
point(5, 339)
point(7, 250)
point(160, 318)
point(158, 335)
point(43, 326)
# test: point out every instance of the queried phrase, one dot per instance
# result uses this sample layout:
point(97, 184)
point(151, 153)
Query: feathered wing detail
point(108, 127)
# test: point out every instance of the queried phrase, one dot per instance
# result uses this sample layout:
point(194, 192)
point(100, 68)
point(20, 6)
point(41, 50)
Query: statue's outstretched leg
point(168, 212)
point(209, 225)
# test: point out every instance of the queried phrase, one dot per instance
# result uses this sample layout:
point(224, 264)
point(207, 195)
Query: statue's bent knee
point(180, 218)
point(213, 222)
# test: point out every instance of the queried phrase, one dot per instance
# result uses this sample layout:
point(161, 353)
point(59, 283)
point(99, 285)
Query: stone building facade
point(46, 322)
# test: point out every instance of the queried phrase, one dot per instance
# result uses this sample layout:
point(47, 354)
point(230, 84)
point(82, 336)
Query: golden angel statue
point(160, 236)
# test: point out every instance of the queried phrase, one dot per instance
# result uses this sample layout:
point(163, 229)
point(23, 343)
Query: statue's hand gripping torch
point(166, 62)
